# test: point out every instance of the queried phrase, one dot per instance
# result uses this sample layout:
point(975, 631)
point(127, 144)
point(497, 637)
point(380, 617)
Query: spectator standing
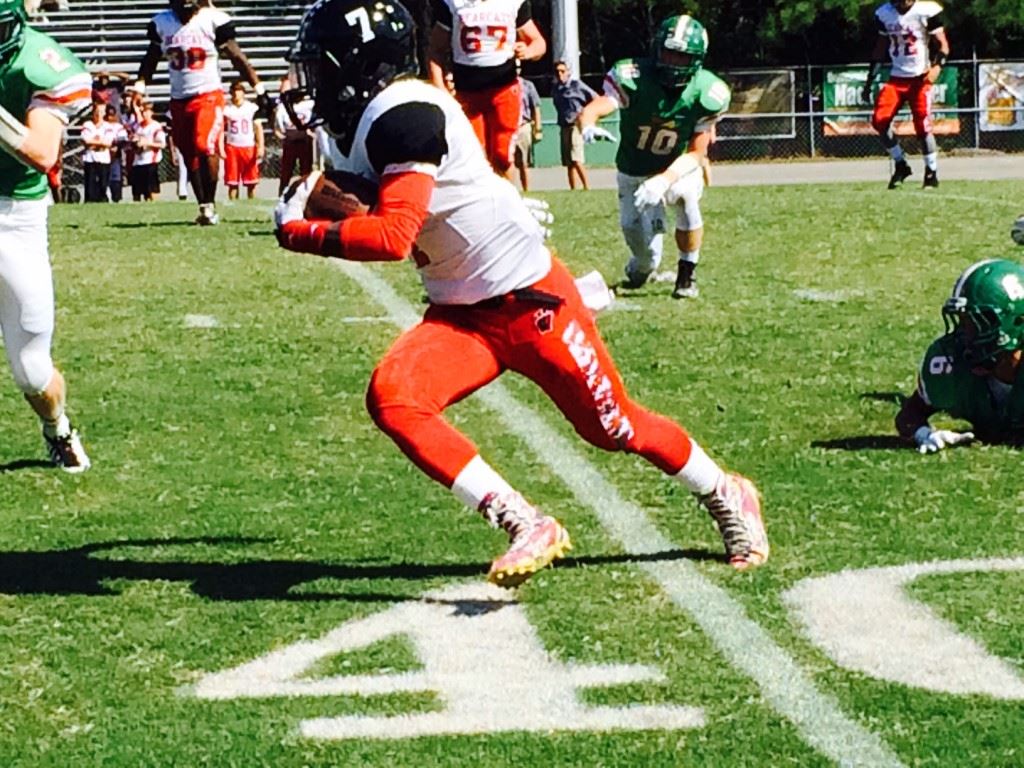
point(530, 130)
point(96, 156)
point(110, 88)
point(149, 141)
point(480, 43)
point(570, 97)
point(193, 36)
point(243, 143)
point(296, 143)
point(118, 141)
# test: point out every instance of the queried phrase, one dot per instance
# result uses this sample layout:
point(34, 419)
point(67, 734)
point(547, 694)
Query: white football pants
point(644, 231)
point(26, 292)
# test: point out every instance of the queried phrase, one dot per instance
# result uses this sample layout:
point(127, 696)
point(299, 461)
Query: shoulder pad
point(928, 8)
point(626, 73)
point(714, 93)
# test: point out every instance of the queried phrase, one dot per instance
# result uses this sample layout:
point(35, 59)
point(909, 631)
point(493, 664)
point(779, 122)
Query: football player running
point(911, 33)
point(498, 299)
point(481, 42)
point(669, 105)
point(192, 35)
point(972, 372)
point(42, 85)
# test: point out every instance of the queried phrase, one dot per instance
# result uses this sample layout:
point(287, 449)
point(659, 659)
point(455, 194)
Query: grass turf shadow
point(79, 571)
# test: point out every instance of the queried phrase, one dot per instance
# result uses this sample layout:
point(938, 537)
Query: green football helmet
point(12, 29)
point(678, 50)
point(985, 313)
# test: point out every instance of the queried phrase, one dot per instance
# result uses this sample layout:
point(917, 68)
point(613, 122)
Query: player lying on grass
point(498, 299)
point(971, 372)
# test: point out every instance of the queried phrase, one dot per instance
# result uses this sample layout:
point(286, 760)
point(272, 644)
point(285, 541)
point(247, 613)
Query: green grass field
point(241, 502)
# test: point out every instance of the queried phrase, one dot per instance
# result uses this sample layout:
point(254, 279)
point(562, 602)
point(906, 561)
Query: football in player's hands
point(336, 195)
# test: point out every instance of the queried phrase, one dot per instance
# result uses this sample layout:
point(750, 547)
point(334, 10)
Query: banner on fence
point(1001, 96)
point(842, 93)
point(768, 97)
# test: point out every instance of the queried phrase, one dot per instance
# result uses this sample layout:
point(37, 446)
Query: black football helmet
point(346, 52)
point(184, 9)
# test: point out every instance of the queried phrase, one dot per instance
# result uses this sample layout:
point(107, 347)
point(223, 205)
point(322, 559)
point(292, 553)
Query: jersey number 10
point(660, 142)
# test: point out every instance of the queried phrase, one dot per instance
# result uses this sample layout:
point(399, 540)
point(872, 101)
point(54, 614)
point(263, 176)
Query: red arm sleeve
point(389, 232)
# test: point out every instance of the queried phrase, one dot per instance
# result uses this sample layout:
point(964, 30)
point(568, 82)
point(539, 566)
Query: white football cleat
point(736, 509)
point(67, 452)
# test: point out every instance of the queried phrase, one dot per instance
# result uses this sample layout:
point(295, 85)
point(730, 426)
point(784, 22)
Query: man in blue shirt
point(570, 96)
point(530, 130)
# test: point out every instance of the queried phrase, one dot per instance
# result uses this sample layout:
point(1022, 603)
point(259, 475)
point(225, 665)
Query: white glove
point(651, 192)
point(592, 133)
point(292, 205)
point(933, 440)
point(541, 211)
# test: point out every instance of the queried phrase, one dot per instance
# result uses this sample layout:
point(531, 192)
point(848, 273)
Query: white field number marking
point(866, 622)
point(480, 655)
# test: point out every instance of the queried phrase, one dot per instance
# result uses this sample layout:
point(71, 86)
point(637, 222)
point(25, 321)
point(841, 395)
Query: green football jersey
point(43, 75)
point(946, 383)
point(656, 124)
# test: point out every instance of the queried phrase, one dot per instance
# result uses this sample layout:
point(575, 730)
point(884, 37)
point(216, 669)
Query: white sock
point(58, 427)
point(691, 256)
point(931, 161)
point(896, 152)
point(476, 481)
point(700, 474)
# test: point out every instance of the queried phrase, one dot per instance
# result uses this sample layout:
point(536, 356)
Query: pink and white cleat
point(736, 509)
point(536, 540)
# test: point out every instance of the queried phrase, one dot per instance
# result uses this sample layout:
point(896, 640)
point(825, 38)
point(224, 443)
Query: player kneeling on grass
point(972, 372)
point(42, 85)
point(669, 105)
point(498, 299)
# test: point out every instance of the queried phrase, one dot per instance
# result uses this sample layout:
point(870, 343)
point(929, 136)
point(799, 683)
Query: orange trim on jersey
point(84, 93)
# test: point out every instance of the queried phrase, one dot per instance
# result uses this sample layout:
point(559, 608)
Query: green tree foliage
point(758, 32)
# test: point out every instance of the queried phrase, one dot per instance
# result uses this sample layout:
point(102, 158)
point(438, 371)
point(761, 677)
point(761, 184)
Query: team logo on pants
point(544, 319)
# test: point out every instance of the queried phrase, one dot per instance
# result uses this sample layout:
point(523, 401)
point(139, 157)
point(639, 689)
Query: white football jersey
point(193, 63)
point(239, 124)
point(96, 132)
point(908, 35)
point(479, 240)
point(483, 31)
point(152, 131)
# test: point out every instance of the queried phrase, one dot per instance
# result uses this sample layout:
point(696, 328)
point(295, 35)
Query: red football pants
point(494, 115)
point(196, 123)
point(456, 350)
point(241, 166)
point(915, 90)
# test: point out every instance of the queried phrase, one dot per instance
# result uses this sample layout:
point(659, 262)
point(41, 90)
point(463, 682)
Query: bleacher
point(110, 35)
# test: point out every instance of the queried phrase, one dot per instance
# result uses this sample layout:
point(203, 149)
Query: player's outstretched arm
point(912, 425)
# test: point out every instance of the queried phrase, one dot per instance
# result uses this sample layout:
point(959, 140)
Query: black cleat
point(686, 286)
point(900, 174)
point(931, 179)
point(66, 452)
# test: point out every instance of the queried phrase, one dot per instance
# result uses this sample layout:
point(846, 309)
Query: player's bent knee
point(32, 371)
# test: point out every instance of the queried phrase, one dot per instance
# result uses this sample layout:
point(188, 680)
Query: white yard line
point(817, 716)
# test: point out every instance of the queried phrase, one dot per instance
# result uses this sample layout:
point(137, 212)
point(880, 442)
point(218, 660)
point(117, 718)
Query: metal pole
point(977, 101)
point(810, 107)
point(566, 34)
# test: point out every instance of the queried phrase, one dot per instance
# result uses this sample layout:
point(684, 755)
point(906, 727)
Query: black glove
point(265, 103)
